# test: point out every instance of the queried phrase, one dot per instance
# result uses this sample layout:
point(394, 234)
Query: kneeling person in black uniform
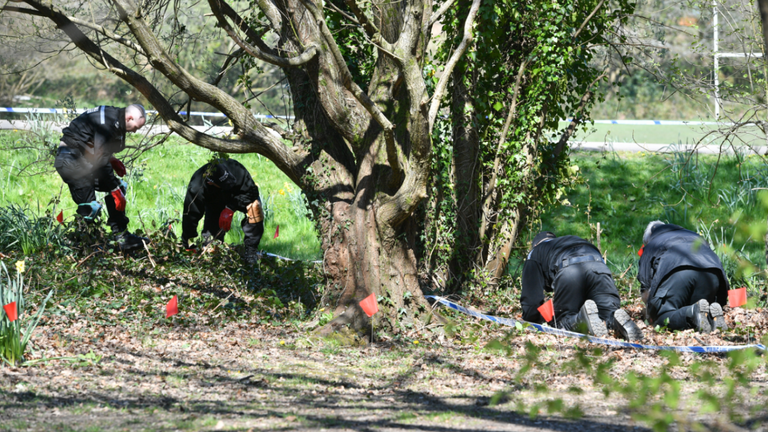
point(216, 191)
point(85, 161)
point(681, 279)
point(584, 291)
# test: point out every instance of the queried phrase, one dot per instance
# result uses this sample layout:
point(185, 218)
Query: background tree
point(367, 97)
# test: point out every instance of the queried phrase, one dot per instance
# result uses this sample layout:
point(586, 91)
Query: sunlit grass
point(625, 192)
point(156, 189)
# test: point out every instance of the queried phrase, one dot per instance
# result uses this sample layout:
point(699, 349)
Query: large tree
point(367, 95)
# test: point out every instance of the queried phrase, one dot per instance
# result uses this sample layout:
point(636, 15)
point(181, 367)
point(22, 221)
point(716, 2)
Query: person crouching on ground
point(681, 279)
point(584, 291)
point(85, 161)
point(216, 191)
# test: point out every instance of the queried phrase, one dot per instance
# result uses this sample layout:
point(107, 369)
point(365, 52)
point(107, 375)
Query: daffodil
point(20, 266)
point(281, 191)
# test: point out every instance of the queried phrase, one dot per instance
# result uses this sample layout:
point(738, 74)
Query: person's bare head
point(134, 117)
point(649, 231)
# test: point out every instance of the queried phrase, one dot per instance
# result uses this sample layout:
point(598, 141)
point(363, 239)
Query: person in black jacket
point(584, 291)
point(85, 161)
point(216, 191)
point(681, 279)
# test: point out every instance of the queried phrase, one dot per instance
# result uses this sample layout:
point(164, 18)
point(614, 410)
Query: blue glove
point(95, 209)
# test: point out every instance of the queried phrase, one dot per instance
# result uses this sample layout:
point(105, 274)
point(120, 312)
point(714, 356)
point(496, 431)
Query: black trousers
point(577, 283)
point(252, 231)
point(84, 179)
point(679, 290)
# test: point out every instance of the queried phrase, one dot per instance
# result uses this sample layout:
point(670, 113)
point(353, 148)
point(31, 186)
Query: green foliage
point(654, 397)
point(552, 46)
point(27, 230)
point(13, 343)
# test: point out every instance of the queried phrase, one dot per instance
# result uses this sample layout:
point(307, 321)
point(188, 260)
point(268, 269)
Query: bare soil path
point(251, 377)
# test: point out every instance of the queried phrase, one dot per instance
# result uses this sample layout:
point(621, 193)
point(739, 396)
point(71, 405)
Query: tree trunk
point(466, 172)
point(363, 257)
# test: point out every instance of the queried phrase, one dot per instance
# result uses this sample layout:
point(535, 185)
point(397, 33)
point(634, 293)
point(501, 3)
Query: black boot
point(624, 326)
point(589, 317)
point(697, 316)
point(128, 242)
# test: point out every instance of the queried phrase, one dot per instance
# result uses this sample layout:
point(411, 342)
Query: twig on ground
point(149, 254)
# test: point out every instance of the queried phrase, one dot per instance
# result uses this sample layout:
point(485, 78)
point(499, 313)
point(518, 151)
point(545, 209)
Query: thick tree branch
point(350, 84)
point(308, 54)
point(442, 84)
point(370, 29)
point(194, 87)
point(251, 141)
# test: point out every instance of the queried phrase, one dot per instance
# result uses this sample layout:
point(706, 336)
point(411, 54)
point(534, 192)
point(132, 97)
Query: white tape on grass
point(612, 342)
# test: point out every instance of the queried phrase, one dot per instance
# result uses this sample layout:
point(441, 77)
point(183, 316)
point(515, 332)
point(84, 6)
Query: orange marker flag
point(60, 217)
point(10, 310)
point(369, 305)
point(277, 232)
point(547, 310)
point(172, 308)
point(640, 251)
point(737, 297)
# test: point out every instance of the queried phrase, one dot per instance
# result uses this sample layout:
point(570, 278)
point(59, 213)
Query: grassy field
point(156, 188)
point(720, 199)
point(658, 134)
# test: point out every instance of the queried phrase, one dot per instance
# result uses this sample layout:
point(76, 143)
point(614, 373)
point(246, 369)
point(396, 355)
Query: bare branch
point(308, 54)
point(589, 18)
point(451, 64)
point(439, 13)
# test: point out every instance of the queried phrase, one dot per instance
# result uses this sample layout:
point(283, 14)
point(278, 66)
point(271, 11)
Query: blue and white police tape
point(80, 111)
point(269, 254)
point(559, 332)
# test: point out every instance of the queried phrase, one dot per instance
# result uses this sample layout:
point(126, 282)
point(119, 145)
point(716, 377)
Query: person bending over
point(217, 190)
point(681, 279)
point(584, 291)
point(86, 162)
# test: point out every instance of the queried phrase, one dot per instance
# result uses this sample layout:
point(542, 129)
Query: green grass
point(156, 189)
point(656, 134)
point(625, 192)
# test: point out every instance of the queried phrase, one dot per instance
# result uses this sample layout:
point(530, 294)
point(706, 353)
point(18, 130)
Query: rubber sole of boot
point(703, 307)
point(625, 327)
point(716, 312)
point(588, 315)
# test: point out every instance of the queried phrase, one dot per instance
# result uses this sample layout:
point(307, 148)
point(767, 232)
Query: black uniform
point(573, 268)
point(216, 185)
point(82, 160)
point(678, 268)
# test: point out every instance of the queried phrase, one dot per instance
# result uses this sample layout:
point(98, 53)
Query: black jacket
point(98, 133)
point(673, 248)
point(236, 191)
point(541, 267)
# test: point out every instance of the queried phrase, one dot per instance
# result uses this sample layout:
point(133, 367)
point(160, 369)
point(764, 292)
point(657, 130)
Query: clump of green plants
point(28, 231)
point(13, 343)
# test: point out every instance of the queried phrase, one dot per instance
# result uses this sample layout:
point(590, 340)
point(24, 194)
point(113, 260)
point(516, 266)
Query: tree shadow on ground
point(262, 394)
